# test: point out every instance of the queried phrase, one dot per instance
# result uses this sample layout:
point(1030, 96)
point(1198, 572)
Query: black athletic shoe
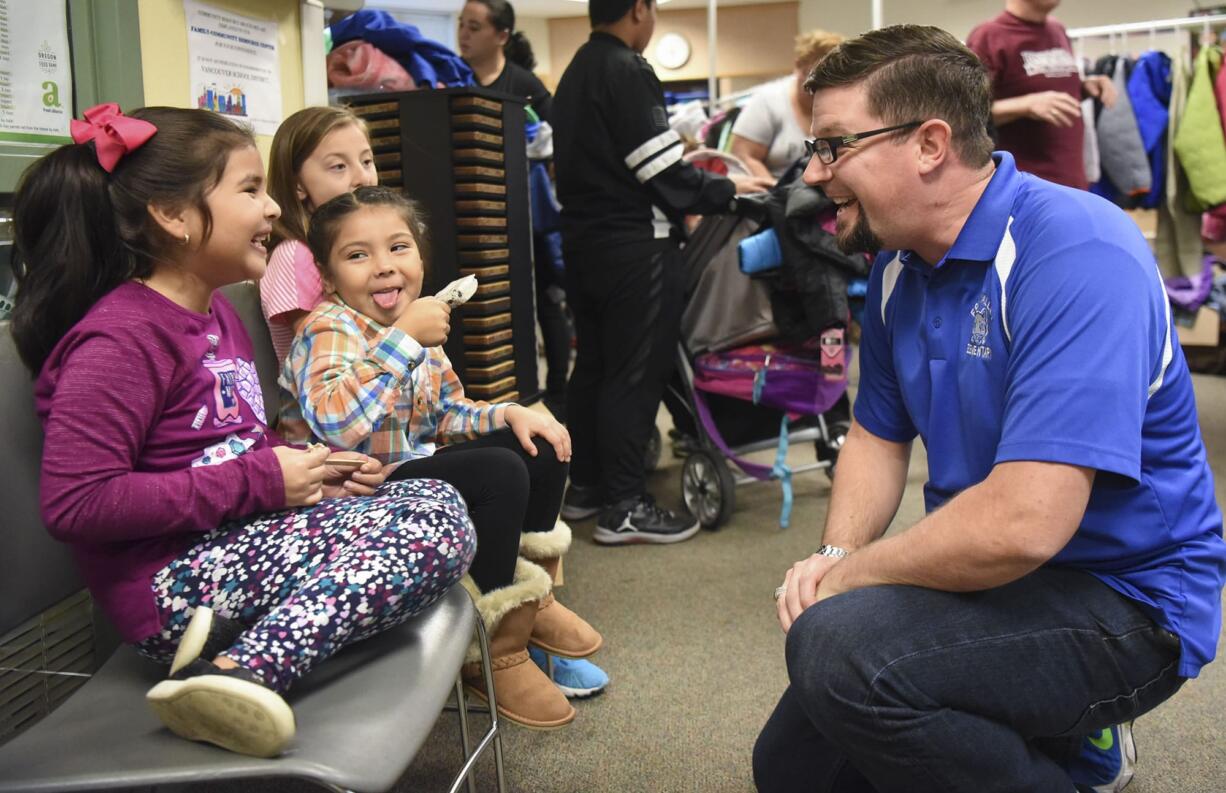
point(582, 502)
point(643, 521)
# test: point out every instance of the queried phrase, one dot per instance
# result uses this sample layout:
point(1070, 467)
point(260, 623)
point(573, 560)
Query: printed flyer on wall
point(35, 73)
point(234, 65)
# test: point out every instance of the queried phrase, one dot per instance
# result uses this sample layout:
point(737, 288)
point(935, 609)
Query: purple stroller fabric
point(779, 376)
point(784, 377)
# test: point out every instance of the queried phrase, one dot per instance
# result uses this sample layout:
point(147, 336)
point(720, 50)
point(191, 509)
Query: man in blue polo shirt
point(1068, 574)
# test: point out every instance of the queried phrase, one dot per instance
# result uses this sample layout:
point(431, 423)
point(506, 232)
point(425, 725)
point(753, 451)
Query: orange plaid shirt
point(355, 384)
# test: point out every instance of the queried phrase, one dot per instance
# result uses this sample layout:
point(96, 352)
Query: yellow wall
point(163, 44)
point(753, 40)
point(536, 30)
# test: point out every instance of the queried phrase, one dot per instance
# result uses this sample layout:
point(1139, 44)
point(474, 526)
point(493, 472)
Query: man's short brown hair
point(916, 73)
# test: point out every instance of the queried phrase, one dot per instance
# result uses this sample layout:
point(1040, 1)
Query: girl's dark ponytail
point(79, 232)
point(519, 51)
point(67, 253)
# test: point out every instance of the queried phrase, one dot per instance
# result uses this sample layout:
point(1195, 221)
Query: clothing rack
point(1111, 32)
point(732, 99)
point(1206, 24)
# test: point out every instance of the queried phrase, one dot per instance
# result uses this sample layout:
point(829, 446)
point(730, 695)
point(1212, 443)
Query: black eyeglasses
point(827, 149)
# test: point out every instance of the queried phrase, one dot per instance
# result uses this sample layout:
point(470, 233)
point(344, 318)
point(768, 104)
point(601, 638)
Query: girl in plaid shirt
point(367, 372)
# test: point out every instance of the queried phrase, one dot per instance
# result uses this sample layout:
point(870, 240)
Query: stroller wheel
point(828, 447)
point(708, 489)
point(651, 459)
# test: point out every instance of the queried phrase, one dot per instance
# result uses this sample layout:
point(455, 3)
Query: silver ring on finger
point(779, 591)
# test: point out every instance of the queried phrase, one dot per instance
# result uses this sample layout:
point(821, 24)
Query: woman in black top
point(499, 55)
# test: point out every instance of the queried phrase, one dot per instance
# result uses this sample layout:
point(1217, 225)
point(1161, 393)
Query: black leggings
point(507, 491)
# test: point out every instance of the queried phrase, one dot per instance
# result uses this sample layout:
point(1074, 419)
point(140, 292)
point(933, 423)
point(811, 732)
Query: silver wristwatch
point(833, 551)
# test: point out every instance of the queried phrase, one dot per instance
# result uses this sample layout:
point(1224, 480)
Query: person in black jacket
point(624, 190)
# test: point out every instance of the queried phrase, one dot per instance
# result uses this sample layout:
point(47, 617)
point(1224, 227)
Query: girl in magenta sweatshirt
point(213, 546)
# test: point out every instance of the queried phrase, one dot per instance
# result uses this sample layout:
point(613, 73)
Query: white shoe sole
point(192, 643)
point(578, 693)
point(1128, 762)
point(237, 715)
point(603, 536)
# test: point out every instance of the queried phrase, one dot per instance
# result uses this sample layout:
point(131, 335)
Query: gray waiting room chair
point(362, 716)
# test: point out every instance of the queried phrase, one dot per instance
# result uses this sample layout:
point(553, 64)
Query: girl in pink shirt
point(317, 154)
point(213, 546)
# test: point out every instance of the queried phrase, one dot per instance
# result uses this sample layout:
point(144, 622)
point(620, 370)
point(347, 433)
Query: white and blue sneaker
point(1107, 760)
point(576, 677)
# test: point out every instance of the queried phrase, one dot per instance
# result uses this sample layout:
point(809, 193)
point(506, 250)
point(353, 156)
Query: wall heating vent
point(43, 661)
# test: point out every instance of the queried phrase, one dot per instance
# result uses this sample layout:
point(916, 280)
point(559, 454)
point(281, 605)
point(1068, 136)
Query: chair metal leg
point(494, 734)
point(462, 709)
point(487, 667)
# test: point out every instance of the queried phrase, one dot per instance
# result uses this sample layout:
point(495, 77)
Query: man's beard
point(861, 238)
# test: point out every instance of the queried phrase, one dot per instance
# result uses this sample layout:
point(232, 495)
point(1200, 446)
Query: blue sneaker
point(1107, 760)
point(575, 676)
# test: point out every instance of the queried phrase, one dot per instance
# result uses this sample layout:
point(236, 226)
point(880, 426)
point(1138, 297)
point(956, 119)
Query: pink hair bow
point(113, 133)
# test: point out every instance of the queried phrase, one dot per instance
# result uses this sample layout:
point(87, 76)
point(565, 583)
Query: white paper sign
point(35, 73)
point(234, 65)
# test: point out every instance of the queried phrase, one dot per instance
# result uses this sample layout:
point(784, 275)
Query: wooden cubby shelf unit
point(460, 153)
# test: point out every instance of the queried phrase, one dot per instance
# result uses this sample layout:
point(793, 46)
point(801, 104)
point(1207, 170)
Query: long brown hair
point(79, 232)
point(296, 138)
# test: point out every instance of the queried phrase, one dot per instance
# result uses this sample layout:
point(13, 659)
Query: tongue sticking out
point(387, 298)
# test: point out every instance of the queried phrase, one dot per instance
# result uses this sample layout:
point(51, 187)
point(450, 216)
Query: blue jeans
point(898, 688)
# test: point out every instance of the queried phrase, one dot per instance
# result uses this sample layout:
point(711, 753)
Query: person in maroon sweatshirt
point(209, 543)
point(1037, 90)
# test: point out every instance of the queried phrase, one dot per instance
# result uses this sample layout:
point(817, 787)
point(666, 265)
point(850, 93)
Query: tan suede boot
point(525, 694)
point(558, 630)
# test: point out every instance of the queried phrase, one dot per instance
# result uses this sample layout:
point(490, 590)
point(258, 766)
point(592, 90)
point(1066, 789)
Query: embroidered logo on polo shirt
point(982, 314)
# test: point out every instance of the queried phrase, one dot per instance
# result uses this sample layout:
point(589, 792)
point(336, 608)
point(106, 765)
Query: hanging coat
point(1120, 149)
point(429, 62)
point(1177, 245)
point(1089, 146)
point(1149, 89)
point(1219, 91)
point(1200, 143)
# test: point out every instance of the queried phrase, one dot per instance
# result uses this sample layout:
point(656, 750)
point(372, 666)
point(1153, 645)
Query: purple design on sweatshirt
point(247, 382)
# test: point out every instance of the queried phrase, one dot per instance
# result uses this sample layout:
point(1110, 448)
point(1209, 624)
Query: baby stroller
point(754, 373)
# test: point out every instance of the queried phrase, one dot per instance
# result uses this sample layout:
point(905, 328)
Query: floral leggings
point(310, 581)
